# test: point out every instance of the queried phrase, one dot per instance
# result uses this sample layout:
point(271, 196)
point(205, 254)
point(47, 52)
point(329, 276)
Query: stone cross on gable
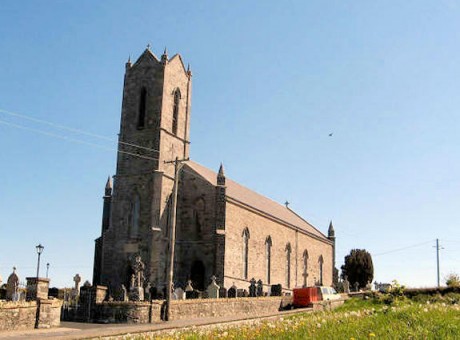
point(77, 280)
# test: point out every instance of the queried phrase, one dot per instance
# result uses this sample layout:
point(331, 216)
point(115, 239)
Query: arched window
point(320, 264)
point(175, 118)
point(268, 257)
point(245, 253)
point(135, 213)
point(142, 109)
point(288, 265)
point(198, 216)
point(305, 268)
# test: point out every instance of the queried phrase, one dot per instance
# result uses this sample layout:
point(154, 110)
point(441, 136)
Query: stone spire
point(128, 63)
point(164, 57)
point(331, 231)
point(108, 187)
point(221, 175)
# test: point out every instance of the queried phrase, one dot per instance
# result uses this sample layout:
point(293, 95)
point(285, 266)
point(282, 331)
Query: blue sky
point(271, 80)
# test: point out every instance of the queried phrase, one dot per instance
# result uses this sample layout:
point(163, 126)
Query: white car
point(328, 293)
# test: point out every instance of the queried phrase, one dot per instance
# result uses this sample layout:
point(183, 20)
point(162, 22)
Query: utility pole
point(178, 164)
point(437, 260)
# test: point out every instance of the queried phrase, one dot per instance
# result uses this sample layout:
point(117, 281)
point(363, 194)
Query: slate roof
point(256, 201)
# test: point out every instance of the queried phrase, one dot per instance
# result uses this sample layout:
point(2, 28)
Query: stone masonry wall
point(49, 313)
point(23, 315)
point(17, 315)
point(193, 309)
point(128, 312)
point(195, 235)
point(260, 227)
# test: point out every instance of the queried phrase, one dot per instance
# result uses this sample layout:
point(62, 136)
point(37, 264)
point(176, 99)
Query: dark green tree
point(358, 267)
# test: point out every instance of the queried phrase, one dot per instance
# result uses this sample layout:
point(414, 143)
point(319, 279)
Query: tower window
point(305, 268)
point(175, 118)
point(268, 257)
point(320, 263)
point(245, 253)
point(135, 214)
point(288, 265)
point(142, 109)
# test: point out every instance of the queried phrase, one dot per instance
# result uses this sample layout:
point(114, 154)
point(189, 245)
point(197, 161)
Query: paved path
point(76, 330)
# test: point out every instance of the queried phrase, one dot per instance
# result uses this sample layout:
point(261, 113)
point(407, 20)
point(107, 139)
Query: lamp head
point(39, 249)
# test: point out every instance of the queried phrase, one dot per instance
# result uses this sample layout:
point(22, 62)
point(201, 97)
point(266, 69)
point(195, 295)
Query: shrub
point(453, 280)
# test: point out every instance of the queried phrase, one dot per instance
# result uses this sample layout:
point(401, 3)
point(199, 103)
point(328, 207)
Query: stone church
point(222, 228)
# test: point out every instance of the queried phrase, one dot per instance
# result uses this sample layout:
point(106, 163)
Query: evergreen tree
point(358, 267)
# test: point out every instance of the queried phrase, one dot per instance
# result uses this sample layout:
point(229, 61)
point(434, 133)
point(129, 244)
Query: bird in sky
point(330, 135)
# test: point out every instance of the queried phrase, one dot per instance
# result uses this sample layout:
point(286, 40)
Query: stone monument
point(136, 291)
point(346, 285)
point(252, 288)
point(232, 291)
point(213, 288)
point(12, 286)
point(260, 288)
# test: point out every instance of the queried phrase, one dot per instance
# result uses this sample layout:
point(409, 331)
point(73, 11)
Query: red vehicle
point(305, 296)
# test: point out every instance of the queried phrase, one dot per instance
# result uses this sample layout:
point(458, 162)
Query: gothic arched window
point(198, 216)
point(142, 108)
point(305, 268)
point(135, 213)
point(175, 117)
point(268, 257)
point(245, 253)
point(288, 265)
point(320, 264)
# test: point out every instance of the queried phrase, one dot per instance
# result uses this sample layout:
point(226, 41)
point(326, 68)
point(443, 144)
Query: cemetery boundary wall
point(148, 312)
point(28, 315)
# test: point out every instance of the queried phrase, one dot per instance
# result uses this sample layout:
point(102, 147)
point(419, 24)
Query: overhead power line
point(404, 248)
point(74, 140)
point(73, 130)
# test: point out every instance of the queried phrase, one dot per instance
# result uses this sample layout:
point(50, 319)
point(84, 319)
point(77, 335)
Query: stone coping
point(17, 304)
point(191, 301)
point(225, 300)
point(132, 303)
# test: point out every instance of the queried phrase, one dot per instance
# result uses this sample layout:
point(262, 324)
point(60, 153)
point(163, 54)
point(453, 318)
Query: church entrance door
point(197, 275)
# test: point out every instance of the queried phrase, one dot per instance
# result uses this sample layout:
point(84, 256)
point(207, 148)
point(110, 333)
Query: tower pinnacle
point(221, 175)
point(108, 187)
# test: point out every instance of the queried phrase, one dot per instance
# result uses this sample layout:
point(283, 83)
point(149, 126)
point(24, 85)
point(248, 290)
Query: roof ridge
point(256, 200)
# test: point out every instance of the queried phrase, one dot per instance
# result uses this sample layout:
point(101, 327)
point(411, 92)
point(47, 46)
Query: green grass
point(356, 319)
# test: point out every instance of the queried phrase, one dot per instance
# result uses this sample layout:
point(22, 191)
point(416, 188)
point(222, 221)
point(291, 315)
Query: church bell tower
point(154, 129)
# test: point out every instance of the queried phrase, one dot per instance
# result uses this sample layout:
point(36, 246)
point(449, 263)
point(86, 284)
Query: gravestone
point(189, 287)
point(276, 290)
point(369, 286)
point(194, 294)
point(180, 294)
point(260, 288)
point(223, 292)
point(124, 293)
point(252, 288)
point(12, 286)
point(213, 289)
point(346, 285)
point(356, 287)
point(242, 293)
point(77, 280)
point(147, 294)
point(232, 291)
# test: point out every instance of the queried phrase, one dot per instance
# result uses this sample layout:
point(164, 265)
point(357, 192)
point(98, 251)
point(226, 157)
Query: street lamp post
point(39, 252)
point(47, 269)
